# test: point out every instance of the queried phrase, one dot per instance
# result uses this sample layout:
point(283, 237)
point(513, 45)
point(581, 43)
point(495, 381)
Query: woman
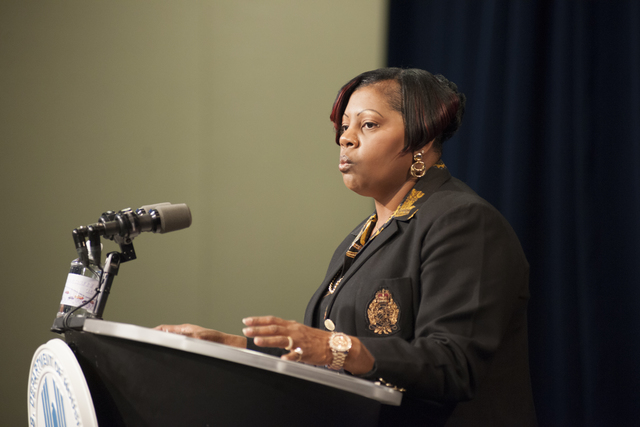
point(429, 294)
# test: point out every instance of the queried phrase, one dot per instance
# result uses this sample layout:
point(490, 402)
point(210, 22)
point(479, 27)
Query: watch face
point(340, 342)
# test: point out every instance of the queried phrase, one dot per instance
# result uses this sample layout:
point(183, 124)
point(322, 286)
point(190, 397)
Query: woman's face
point(371, 161)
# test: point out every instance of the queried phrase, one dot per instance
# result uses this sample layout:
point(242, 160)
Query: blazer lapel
point(424, 188)
point(313, 303)
point(334, 266)
point(389, 231)
point(427, 185)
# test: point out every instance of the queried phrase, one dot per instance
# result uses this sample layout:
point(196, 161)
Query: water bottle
point(81, 286)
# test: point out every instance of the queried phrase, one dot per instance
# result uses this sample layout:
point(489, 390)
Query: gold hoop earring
point(418, 168)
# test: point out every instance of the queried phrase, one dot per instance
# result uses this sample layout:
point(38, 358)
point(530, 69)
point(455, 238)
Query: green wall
point(222, 105)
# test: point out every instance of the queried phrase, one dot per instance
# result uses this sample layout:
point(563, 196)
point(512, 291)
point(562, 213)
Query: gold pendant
point(329, 325)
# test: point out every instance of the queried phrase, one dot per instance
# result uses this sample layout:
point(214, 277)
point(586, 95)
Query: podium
point(142, 377)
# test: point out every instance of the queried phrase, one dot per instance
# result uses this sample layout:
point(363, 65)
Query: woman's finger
point(263, 321)
point(294, 355)
point(174, 329)
point(278, 341)
point(265, 331)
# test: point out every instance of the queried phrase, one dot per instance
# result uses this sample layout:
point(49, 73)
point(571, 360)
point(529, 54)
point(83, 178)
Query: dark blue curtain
point(551, 137)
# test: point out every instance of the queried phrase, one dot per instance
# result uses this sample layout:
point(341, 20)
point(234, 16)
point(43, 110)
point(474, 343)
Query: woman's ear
point(427, 148)
point(430, 153)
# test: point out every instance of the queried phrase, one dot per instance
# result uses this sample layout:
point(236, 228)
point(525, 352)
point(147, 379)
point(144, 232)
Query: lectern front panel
point(139, 384)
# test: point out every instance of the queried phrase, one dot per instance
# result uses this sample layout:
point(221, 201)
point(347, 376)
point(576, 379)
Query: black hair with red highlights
point(431, 105)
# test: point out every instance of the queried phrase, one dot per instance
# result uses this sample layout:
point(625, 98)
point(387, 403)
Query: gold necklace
point(334, 285)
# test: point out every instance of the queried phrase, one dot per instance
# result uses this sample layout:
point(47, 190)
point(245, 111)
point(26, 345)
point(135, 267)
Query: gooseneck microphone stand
point(121, 227)
point(126, 219)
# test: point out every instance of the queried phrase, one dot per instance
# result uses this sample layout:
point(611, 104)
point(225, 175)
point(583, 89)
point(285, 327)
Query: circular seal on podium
point(57, 393)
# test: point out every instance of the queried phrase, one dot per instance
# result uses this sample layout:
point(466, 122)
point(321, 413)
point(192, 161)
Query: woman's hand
point(199, 332)
point(270, 331)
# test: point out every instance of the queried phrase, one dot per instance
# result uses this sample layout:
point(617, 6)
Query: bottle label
point(78, 290)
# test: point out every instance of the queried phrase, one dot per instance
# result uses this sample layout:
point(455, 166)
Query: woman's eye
point(344, 128)
point(369, 125)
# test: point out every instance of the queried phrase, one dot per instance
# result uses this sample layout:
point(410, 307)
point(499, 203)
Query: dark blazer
point(439, 298)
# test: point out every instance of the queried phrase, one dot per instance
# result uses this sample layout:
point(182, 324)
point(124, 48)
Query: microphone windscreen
point(173, 217)
point(147, 208)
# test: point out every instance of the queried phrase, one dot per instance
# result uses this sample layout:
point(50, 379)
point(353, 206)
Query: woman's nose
point(348, 139)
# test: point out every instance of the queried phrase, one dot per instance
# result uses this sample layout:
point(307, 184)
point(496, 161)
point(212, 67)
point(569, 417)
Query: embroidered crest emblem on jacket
point(383, 313)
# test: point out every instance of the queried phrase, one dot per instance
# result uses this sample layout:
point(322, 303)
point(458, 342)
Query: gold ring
point(290, 346)
point(299, 352)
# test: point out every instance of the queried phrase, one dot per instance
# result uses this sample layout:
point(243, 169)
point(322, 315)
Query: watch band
point(340, 344)
point(338, 360)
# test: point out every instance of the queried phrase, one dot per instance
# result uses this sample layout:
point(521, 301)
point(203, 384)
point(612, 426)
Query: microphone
point(172, 217)
point(126, 224)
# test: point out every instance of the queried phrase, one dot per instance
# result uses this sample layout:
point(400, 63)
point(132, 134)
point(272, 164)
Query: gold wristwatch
point(340, 344)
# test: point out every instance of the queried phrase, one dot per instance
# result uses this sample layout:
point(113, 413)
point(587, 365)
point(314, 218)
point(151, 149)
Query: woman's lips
point(345, 164)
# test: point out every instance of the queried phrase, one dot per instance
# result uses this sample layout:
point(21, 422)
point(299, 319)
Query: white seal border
point(55, 357)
